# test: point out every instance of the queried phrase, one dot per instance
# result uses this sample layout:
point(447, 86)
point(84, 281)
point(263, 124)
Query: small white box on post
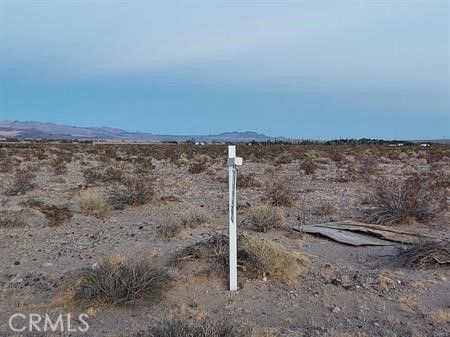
point(233, 161)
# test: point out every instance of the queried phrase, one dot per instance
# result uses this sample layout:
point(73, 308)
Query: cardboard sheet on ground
point(347, 237)
point(361, 234)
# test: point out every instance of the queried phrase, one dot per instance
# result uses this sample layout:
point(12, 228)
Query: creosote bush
point(118, 280)
point(133, 190)
point(264, 217)
point(400, 201)
point(93, 203)
point(204, 328)
point(21, 182)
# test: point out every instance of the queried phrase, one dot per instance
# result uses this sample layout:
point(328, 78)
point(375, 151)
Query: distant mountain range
point(42, 130)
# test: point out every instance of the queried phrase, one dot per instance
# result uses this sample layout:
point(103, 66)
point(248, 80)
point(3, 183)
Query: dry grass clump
point(199, 164)
point(214, 249)
point(169, 230)
point(118, 280)
point(248, 181)
point(174, 226)
point(11, 219)
point(397, 201)
point(133, 190)
point(21, 182)
point(259, 257)
point(280, 193)
point(269, 259)
point(324, 209)
point(308, 166)
point(203, 328)
point(264, 217)
point(426, 255)
point(194, 218)
point(93, 203)
point(440, 316)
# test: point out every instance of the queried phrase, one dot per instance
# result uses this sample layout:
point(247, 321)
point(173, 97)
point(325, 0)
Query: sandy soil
point(343, 290)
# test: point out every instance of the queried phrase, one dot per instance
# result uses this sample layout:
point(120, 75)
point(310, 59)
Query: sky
point(300, 69)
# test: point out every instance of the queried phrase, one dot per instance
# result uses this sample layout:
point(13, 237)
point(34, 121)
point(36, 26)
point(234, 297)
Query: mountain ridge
point(48, 130)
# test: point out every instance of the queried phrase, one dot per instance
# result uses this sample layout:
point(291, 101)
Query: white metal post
point(232, 180)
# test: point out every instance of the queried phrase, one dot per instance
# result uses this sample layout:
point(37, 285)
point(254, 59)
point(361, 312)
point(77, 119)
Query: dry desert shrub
point(284, 158)
point(203, 328)
point(199, 164)
point(440, 316)
point(269, 259)
point(369, 166)
point(309, 166)
point(92, 175)
point(397, 201)
point(56, 215)
point(325, 209)
point(118, 280)
point(59, 165)
point(280, 193)
point(194, 218)
point(336, 155)
point(143, 165)
point(114, 172)
point(258, 257)
point(11, 219)
point(264, 217)
point(169, 230)
point(93, 203)
point(133, 190)
point(214, 249)
point(21, 182)
point(426, 255)
point(174, 226)
point(248, 181)
point(6, 164)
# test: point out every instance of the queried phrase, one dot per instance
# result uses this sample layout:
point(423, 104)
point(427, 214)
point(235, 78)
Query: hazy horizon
point(311, 70)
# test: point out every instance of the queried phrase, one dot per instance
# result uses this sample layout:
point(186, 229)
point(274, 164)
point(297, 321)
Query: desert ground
point(134, 235)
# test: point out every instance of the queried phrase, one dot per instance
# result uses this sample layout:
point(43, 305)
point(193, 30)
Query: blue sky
point(304, 69)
